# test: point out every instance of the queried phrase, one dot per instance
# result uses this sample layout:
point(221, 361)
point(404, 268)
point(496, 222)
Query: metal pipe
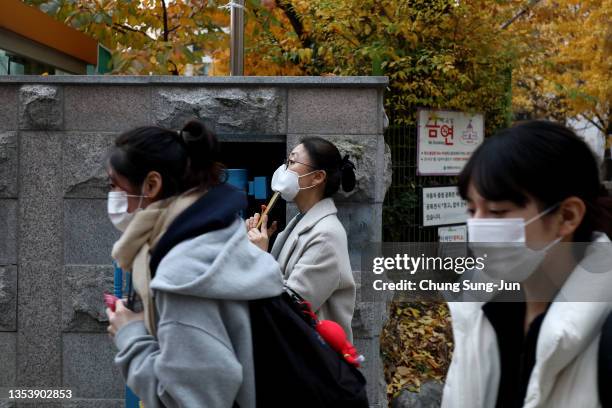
point(237, 38)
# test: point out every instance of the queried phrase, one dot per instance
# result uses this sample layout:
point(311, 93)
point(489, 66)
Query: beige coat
point(314, 260)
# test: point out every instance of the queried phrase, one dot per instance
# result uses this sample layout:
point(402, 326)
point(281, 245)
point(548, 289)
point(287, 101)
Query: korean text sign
point(446, 140)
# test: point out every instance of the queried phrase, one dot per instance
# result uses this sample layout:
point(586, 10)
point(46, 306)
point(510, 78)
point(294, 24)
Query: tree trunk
point(606, 166)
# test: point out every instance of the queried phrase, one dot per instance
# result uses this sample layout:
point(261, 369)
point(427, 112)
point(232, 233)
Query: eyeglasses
point(290, 162)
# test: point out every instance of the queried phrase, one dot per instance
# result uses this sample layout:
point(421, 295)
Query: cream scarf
point(133, 250)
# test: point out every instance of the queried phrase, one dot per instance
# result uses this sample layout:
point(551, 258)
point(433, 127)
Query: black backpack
point(604, 364)
point(293, 364)
point(294, 367)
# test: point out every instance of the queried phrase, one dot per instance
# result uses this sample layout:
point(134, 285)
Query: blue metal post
point(131, 400)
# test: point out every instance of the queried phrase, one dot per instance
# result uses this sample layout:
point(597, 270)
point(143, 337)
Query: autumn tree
point(439, 53)
point(566, 67)
point(147, 36)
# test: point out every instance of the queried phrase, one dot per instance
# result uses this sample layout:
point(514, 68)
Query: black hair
point(324, 155)
point(186, 159)
point(542, 160)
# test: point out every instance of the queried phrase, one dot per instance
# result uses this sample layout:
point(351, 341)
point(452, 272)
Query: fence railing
point(403, 206)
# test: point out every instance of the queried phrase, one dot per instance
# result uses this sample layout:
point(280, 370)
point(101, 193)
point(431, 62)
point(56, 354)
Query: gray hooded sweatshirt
point(203, 354)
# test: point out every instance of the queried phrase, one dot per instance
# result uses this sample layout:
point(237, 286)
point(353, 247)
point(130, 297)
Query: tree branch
point(269, 33)
point(165, 19)
point(295, 21)
point(175, 70)
point(594, 123)
point(125, 28)
point(604, 123)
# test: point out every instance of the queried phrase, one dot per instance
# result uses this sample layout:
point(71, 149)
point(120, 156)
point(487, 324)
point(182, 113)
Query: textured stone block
point(94, 403)
point(9, 96)
point(363, 225)
point(8, 232)
point(82, 305)
point(40, 107)
point(39, 404)
point(106, 107)
point(369, 319)
point(65, 237)
point(367, 153)
point(429, 396)
point(88, 233)
point(40, 197)
point(84, 173)
point(226, 110)
point(94, 376)
point(334, 111)
point(366, 293)
point(362, 221)
point(8, 359)
point(40, 257)
point(8, 164)
point(372, 369)
point(387, 173)
point(39, 326)
point(8, 298)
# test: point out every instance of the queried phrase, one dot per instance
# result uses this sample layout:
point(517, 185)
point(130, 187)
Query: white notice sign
point(457, 233)
point(443, 206)
point(446, 140)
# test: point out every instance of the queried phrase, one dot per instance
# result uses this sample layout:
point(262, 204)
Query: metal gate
point(403, 206)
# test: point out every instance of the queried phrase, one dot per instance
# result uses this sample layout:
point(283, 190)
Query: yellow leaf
point(403, 370)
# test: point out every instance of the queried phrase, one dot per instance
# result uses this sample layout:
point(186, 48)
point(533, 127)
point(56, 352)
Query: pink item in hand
point(110, 301)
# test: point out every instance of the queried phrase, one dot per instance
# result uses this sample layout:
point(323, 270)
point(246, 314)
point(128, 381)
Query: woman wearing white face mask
point(312, 251)
point(533, 193)
point(193, 268)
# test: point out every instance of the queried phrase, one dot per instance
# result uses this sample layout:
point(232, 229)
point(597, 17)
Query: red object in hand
point(110, 301)
point(335, 336)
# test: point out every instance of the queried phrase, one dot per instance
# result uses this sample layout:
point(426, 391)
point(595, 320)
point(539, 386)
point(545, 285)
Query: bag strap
point(605, 364)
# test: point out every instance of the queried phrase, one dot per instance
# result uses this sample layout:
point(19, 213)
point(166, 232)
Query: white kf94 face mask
point(287, 182)
point(117, 206)
point(501, 242)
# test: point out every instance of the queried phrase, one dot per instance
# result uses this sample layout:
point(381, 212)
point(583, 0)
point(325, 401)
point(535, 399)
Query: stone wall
point(55, 238)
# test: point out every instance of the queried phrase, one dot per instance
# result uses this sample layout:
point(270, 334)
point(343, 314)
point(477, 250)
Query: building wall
point(55, 238)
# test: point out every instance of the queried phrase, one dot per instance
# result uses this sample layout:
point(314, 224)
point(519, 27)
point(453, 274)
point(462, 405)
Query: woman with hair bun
point(312, 251)
point(192, 346)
